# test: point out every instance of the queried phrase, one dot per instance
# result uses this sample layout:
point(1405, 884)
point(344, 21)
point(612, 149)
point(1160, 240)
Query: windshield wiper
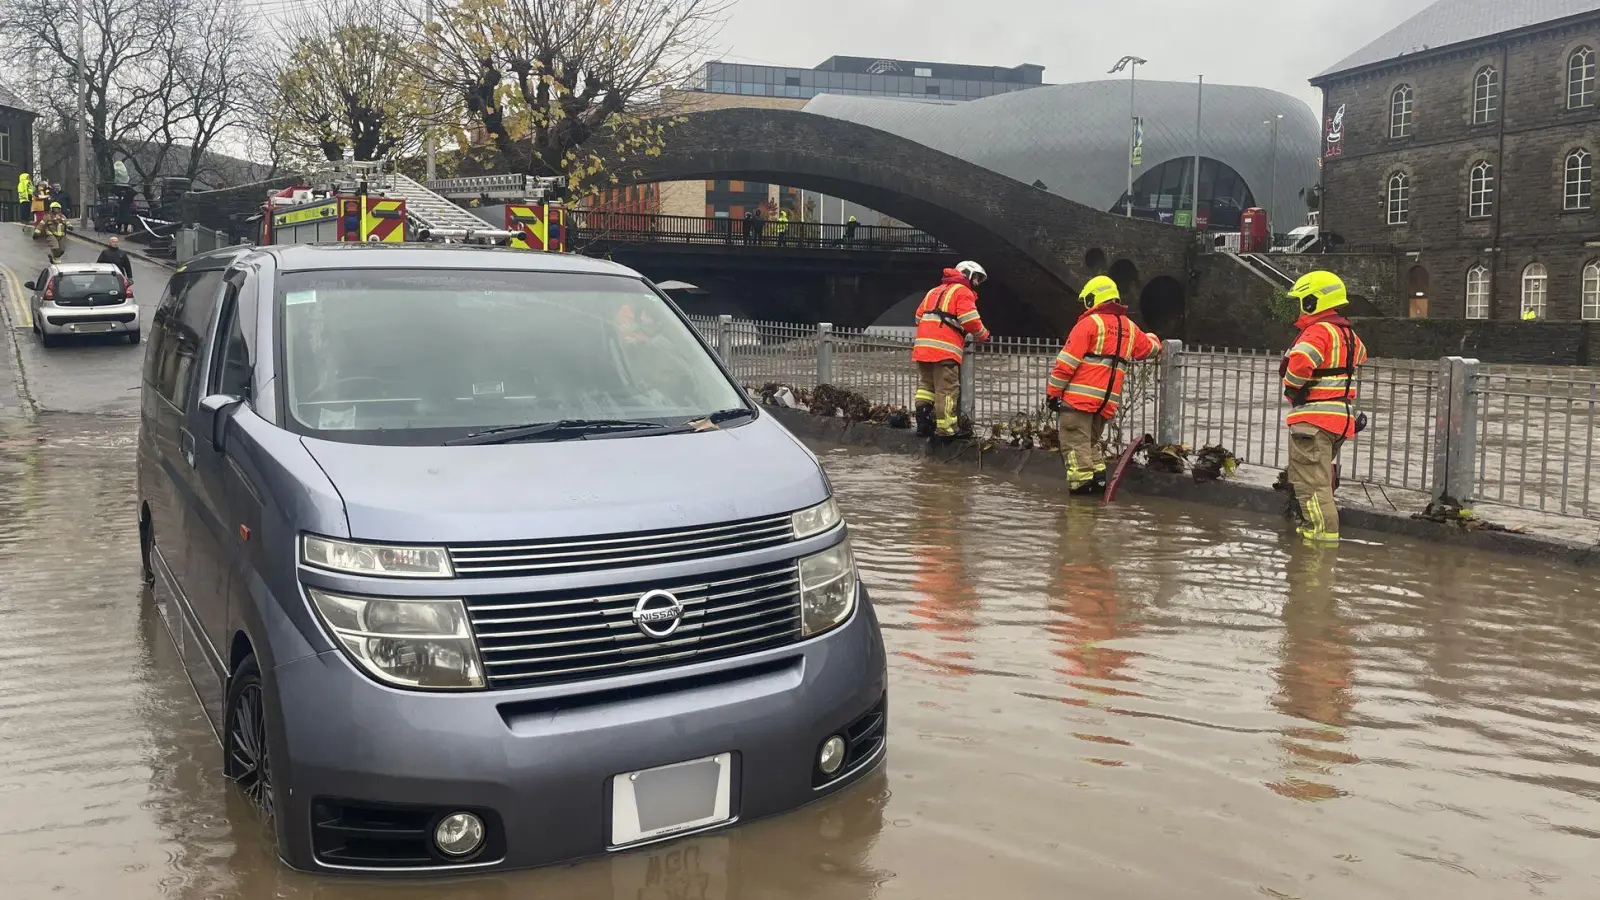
point(565, 429)
point(724, 415)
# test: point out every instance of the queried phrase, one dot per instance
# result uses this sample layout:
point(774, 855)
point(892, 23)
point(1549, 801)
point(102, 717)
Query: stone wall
point(1549, 343)
point(19, 125)
point(217, 209)
point(1373, 277)
point(1527, 142)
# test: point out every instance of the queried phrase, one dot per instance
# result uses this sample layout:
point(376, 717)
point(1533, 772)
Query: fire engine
point(523, 204)
point(365, 202)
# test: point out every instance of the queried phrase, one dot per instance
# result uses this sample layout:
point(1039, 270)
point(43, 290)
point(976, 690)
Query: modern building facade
point(16, 142)
point(720, 85)
point(1466, 138)
point(1258, 147)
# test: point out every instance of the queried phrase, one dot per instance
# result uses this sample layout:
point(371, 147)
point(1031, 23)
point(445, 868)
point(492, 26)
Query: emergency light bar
point(466, 236)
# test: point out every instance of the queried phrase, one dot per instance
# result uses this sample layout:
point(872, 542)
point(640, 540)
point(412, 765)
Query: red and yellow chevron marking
point(528, 223)
point(383, 220)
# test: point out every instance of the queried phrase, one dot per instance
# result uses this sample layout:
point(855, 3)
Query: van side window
point(184, 316)
point(232, 364)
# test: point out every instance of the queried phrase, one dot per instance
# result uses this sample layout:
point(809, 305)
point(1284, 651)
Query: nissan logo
point(658, 614)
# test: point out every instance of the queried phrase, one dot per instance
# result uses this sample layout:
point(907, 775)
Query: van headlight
point(827, 588)
point(815, 519)
point(410, 642)
point(383, 560)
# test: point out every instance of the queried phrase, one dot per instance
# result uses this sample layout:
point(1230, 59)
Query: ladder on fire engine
point(427, 210)
point(521, 188)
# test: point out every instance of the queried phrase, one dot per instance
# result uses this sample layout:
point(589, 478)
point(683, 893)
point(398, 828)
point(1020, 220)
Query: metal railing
point(587, 225)
point(1518, 436)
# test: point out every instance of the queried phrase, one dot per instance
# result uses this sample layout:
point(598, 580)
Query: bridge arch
point(1035, 244)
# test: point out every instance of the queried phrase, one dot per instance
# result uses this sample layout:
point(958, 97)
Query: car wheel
point(47, 339)
point(133, 337)
point(247, 758)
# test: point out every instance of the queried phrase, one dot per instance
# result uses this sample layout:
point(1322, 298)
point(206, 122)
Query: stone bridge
point(1038, 247)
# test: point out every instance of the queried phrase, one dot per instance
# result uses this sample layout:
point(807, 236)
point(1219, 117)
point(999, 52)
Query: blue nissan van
point(479, 559)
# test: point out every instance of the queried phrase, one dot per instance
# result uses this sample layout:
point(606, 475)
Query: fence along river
point(1518, 436)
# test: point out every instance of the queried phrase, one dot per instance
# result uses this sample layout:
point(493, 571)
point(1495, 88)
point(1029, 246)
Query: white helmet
point(972, 272)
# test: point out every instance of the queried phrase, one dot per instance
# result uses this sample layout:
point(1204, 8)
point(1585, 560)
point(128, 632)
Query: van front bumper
point(539, 762)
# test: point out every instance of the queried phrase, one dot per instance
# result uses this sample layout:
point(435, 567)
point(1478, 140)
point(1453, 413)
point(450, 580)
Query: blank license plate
point(93, 326)
point(659, 802)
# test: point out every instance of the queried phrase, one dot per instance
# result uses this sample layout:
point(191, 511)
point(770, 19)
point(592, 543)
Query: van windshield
point(407, 356)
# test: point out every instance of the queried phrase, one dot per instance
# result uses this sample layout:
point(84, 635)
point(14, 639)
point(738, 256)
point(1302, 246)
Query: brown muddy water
point(1144, 701)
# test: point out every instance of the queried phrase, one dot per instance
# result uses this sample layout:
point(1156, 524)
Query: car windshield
point(406, 356)
point(78, 285)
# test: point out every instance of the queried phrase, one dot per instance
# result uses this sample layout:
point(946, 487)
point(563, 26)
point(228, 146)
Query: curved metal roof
point(1074, 137)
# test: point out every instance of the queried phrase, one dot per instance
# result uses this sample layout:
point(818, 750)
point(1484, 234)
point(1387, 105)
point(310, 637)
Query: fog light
point(832, 756)
point(458, 834)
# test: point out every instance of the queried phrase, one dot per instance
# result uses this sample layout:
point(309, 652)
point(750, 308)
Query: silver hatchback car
point(83, 298)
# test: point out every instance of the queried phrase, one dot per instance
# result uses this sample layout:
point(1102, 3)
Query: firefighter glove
point(1055, 404)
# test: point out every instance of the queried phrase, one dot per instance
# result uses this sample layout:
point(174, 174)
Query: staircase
point(1261, 267)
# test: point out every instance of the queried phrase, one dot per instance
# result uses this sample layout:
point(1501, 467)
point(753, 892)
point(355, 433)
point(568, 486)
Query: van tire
point(246, 743)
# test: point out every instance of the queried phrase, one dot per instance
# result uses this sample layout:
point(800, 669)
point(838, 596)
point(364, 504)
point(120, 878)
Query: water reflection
point(1139, 701)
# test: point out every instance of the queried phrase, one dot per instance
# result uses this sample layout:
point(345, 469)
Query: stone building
point(16, 143)
point(1466, 139)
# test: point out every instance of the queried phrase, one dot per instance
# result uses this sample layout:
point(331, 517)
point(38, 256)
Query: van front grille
point(556, 636)
point(502, 560)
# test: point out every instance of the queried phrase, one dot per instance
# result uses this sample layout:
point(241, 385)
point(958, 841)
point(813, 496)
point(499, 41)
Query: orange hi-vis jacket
point(944, 318)
point(1319, 373)
point(1090, 369)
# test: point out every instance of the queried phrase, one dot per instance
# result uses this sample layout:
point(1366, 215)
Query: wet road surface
point(1151, 700)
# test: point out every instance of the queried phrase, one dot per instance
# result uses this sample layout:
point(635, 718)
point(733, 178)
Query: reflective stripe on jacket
point(1319, 374)
point(55, 227)
point(944, 318)
point(1091, 368)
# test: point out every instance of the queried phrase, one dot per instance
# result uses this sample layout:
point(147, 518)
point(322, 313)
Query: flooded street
point(1150, 700)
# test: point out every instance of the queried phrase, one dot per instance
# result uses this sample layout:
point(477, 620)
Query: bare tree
point(344, 85)
point(547, 79)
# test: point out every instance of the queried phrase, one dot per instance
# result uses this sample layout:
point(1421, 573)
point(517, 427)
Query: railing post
point(1455, 449)
point(725, 339)
point(1169, 402)
point(969, 381)
point(825, 353)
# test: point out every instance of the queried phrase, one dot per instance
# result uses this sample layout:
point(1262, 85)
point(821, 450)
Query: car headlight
point(827, 588)
point(375, 559)
point(420, 643)
point(815, 519)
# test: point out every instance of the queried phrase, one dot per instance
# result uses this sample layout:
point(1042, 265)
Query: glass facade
point(898, 80)
point(1163, 191)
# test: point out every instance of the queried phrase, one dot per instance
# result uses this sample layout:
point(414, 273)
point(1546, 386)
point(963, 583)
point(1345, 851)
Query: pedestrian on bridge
point(944, 320)
point(782, 227)
point(1319, 381)
point(1085, 387)
point(751, 226)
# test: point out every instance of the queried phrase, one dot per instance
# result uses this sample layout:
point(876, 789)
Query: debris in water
point(1213, 462)
point(1169, 458)
point(1446, 511)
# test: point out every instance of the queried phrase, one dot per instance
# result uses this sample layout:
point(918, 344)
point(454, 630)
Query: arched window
point(1535, 284)
point(1591, 290)
point(1580, 78)
point(1400, 112)
point(1579, 180)
point(1478, 293)
point(1399, 199)
point(1485, 95)
point(1480, 190)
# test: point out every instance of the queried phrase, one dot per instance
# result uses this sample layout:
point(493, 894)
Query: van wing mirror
point(214, 411)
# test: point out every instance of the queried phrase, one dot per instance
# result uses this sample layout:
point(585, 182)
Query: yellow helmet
point(1100, 289)
point(55, 206)
point(1318, 292)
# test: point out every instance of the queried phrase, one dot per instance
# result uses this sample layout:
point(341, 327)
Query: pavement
point(97, 374)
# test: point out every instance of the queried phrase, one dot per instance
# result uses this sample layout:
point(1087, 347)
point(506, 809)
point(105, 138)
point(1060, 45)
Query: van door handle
point(186, 445)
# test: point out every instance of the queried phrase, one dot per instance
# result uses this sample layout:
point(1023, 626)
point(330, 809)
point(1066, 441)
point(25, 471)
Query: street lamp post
point(1272, 197)
point(1132, 64)
point(81, 88)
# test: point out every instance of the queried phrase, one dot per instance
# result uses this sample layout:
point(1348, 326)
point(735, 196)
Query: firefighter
point(55, 231)
point(944, 319)
point(1085, 386)
point(1319, 383)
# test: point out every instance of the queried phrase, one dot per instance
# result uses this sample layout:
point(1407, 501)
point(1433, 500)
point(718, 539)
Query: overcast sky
point(1268, 44)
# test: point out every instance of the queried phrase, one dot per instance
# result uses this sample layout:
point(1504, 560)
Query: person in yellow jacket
point(781, 228)
point(24, 192)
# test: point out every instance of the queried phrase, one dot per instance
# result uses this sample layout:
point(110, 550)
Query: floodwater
point(1141, 701)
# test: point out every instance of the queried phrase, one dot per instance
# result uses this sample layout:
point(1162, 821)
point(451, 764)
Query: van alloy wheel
point(249, 761)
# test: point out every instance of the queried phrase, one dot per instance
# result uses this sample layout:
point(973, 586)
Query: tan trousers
point(1080, 434)
point(939, 386)
point(1311, 455)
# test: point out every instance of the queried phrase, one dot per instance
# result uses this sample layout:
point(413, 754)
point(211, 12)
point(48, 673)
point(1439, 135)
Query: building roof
point(9, 98)
point(1073, 138)
point(1450, 22)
